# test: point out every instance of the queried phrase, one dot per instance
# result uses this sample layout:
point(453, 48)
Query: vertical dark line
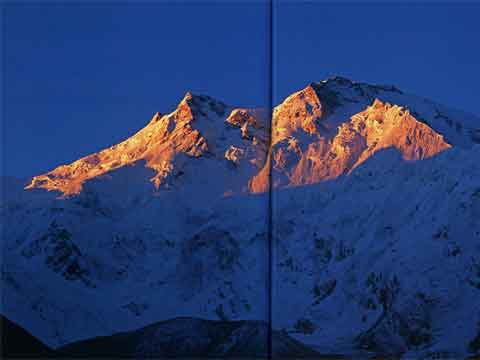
point(3, 111)
point(270, 202)
point(3, 97)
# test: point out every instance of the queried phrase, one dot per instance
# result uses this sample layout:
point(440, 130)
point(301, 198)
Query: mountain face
point(375, 230)
point(310, 144)
point(385, 259)
point(179, 337)
point(190, 337)
point(317, 134)
point(230, 142)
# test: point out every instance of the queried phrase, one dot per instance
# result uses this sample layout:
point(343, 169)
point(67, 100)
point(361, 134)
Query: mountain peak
point(318, 133)
point(338, 79)
point(337, 83)
point(188, 96)
point(193, 104)
point(308, 149)
point(298, 112)
point(199, 128)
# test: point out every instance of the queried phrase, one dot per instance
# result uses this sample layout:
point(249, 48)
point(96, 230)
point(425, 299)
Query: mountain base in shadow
point(17, 343)
point(175, 338)
point(192, 337)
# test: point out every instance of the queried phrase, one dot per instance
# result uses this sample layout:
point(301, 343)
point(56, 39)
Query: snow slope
point(385, 259)
point(376, 203)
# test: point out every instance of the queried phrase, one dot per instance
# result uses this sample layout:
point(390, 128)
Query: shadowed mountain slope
point(374, 226)
point(190, 337)
point(19, 343)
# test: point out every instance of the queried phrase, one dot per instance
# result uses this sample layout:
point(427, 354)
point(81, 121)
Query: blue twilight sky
point(78, 78)
point(428, 49)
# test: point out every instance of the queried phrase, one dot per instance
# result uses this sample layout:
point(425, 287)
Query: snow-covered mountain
point(318, 133)
point(376, 230)
point(385, 259)
point(227, 144)
point(331, 127)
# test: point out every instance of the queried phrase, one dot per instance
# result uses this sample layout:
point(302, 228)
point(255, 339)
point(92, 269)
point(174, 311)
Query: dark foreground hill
point(190, 337)
point(18, 343)
point(180, 337)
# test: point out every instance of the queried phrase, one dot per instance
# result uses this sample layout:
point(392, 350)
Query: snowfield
point(375, 215)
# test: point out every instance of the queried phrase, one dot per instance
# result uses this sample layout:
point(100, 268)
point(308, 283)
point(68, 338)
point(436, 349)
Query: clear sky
point(81, 78)
point(78, 78)
point(428, 49)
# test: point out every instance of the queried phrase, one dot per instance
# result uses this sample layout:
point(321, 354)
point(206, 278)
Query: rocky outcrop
point(200, 127)
point(306, 151)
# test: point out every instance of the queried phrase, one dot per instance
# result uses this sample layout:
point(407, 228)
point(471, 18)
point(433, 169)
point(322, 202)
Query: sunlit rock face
point(374, 231)
point(318, 133)
point(200, 132)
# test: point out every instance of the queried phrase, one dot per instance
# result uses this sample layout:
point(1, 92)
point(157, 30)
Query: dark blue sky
point(430, 50)
point(81, 78)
